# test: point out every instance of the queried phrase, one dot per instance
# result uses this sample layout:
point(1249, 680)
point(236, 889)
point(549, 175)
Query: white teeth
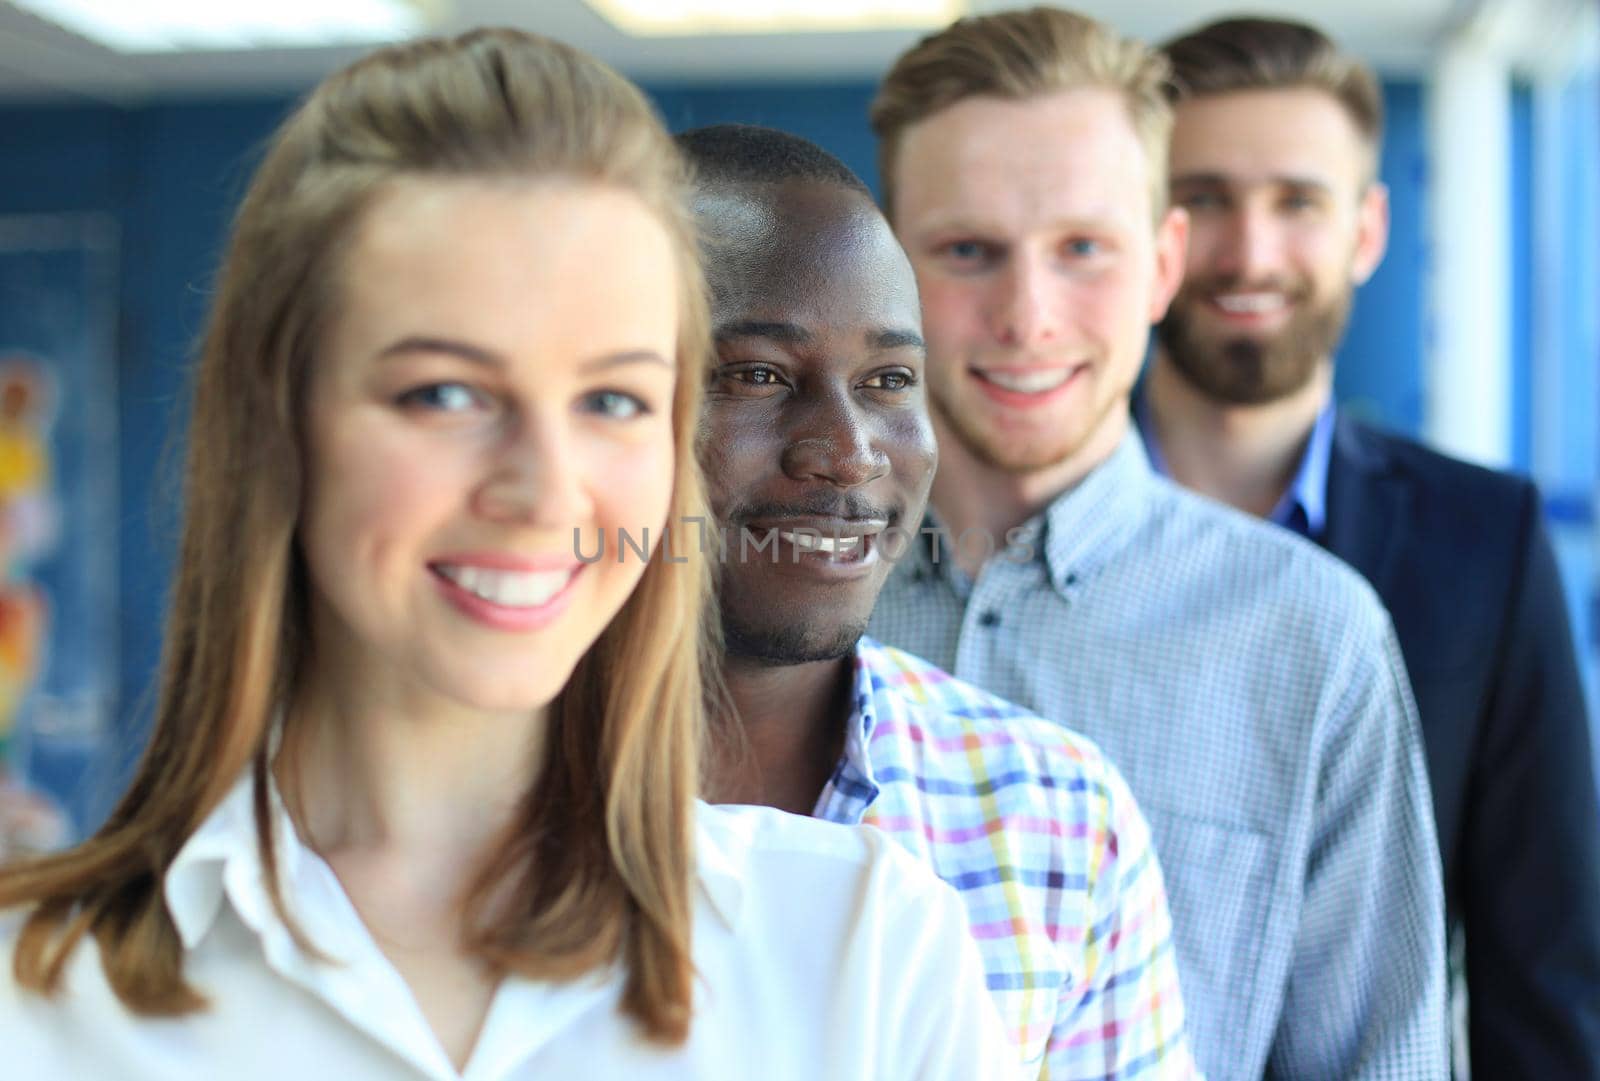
point(1030, 382)
point(512, 589)
point(1250, 303)
point(812, 542)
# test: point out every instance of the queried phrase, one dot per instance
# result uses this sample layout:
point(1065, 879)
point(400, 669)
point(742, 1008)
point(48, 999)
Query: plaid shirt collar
point(854, 778)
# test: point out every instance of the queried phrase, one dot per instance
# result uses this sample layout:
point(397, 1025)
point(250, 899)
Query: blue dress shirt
point(1304, 506)
point(1250, 690)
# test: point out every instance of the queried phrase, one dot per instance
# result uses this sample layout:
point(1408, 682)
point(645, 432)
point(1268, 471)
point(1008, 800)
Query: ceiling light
point(660, 18)
point(158, 26)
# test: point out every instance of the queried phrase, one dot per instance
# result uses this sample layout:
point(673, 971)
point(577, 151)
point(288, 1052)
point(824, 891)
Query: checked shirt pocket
point(1220, 888)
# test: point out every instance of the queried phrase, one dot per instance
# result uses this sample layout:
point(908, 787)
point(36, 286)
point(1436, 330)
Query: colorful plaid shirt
point(1039, 834)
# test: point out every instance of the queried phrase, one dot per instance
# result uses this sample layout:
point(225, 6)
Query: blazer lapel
point(1368, 505)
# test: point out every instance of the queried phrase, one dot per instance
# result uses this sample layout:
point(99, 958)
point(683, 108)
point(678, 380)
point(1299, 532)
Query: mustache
point(850, 507)
point(1237, 283)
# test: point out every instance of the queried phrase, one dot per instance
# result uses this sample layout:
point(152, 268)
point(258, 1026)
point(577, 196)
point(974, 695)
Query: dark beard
point(783, 645)
point(1252, 371)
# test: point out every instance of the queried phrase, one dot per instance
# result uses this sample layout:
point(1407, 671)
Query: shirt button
point(989, 619)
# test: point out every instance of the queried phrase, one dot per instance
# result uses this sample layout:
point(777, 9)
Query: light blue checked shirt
point(1249, 687)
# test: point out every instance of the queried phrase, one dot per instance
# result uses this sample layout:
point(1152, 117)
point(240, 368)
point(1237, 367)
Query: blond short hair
point(1017, 55)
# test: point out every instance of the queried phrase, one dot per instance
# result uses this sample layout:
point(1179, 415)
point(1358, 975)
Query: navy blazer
point(1460, 556)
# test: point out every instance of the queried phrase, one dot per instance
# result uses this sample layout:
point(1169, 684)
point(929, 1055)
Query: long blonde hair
point(597, 865)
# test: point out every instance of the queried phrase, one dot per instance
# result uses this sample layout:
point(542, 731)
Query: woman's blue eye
point(1083, 246)
point(441, 397)
point(615, 404)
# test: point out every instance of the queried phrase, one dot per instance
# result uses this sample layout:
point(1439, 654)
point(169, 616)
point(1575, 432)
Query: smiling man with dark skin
point(819, 455)
point(817, 436)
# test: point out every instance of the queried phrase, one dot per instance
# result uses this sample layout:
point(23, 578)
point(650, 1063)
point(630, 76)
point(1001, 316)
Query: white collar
point(222, 858)
point(223, 853)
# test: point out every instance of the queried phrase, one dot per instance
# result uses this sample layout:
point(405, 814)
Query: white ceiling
point(39, 61)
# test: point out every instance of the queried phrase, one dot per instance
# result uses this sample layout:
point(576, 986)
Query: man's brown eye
point(750, 377)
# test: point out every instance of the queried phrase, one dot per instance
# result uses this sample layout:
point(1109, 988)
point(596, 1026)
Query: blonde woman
point(421, 795)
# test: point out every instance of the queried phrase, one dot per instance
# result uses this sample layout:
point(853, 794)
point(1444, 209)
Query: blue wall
point(1378, 372)
point(170, 174)
point(1522, 257)
point(833, 116)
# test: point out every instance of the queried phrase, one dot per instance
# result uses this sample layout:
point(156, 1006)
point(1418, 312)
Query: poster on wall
point(58, 496)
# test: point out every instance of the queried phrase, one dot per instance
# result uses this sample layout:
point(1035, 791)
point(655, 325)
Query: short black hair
point(752, 154)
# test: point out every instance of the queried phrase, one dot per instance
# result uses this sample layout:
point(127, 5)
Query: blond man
point(1248, 685)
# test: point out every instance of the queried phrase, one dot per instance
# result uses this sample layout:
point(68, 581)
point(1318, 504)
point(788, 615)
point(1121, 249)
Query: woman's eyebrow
point(489, 358)
point(626, 356)
point(422, 344)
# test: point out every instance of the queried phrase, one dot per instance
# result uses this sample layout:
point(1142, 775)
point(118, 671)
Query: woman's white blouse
point(822, 952)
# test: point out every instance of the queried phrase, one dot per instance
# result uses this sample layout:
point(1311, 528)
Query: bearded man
point(1274, 155)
